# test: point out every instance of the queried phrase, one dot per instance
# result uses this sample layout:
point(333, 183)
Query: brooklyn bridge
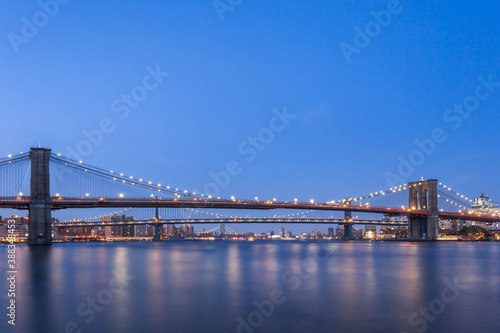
point(58, 183)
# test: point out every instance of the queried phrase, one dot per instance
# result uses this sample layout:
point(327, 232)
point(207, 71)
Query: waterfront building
point(171, 230)
point(484, 202)
point(371, 231)
point(118, 231)
point(357, 233)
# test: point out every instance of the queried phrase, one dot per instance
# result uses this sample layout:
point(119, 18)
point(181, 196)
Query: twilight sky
point(306, 99)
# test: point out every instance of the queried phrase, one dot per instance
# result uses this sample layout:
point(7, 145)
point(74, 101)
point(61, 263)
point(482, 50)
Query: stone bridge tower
point(423, 196)
point(40, 206)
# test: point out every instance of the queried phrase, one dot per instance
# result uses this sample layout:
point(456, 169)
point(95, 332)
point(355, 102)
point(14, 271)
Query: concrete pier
point(347, 231)
point(157, 226)
point(348, 226)
point(156, 237)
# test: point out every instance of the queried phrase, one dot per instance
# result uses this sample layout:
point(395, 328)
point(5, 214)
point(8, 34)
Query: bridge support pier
point(40, 206)
point(423, 196)
point(348, 226)
point(347, 231)
point(156, 237)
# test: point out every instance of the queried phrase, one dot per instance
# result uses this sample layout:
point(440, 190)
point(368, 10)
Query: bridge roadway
point(65, 203)
point(229, 221)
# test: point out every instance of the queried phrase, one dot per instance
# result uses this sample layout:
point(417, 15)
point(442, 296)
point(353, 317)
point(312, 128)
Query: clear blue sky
point(353, 119)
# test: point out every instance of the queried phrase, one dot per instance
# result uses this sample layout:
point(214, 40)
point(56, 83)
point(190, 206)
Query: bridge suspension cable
point(372, 195)
point(451, 202)
point(214, 229)
point(231, 230)
point(96, 218)
point(158, 188)
point(121, 178)
point(456, 193)
point(14, 158)
point(463, 203)
point(13, 171)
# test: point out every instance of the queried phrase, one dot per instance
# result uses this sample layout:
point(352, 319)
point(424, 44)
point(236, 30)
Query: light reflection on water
point(205, 286)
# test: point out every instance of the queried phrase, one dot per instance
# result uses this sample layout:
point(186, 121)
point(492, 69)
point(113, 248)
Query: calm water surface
point(231, 286)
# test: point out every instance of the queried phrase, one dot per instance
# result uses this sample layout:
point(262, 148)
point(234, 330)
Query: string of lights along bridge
point(58, 182)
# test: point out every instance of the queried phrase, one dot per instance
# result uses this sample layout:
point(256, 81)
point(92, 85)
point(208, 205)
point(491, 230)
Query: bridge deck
point(65, 203)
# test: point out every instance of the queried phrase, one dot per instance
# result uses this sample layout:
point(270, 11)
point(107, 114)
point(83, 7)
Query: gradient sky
point(353, 120)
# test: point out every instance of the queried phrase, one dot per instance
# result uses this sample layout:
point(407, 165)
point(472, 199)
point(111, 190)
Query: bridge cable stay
point(221, 229)
point(213, 229)
point(372, 195)
point(13, 172)
point(396, 198)
point(231, 230)
point(463, 203)
point(118, 178)
point(71, 179)
point(451, 202)
point(456, 193)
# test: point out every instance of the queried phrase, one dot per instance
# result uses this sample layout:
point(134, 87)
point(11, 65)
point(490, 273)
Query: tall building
point(21, 226)
point(357, 233)
point(186, 230)
point(339, 231)
point(171, 230)
point(74, 231)
point(446, 224)
point(118, 230)
point(282, 232)
point(141, 230)
point(394, 232)
point(129, 231)
point(331, 232)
